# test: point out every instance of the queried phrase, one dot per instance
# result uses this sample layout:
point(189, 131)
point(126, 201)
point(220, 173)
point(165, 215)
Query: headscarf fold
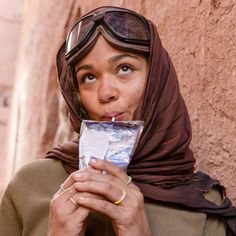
point(163, 164)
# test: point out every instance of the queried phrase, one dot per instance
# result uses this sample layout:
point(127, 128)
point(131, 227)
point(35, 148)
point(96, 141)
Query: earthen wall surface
point(10, 24)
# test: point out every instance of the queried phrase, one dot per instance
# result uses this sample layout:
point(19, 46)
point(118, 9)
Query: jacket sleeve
point(25, 205)
point(165, 219)
point(214, 225)
point(10, 222)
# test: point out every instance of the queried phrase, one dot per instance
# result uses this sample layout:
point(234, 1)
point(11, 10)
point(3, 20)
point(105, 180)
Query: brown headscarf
point(163, 164)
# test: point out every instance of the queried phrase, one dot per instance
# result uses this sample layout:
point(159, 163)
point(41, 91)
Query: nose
point(108, 90)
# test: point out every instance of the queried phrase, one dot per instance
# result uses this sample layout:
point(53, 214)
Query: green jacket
point(25, 205)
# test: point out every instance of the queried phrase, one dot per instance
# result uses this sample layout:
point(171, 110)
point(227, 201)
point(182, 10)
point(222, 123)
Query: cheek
point(134, 97)
point(87, 100)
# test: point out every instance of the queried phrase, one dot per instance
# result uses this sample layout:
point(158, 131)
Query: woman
point(112, 64)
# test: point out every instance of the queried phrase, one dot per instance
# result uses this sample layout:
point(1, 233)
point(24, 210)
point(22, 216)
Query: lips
point(118, 116)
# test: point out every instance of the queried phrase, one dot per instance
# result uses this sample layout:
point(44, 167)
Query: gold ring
point(74, 202)
point(129, 181)
point(121, 199)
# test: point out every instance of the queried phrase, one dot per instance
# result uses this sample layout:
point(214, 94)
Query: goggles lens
point(127, 26)
point(123, 25)
point(78, 33)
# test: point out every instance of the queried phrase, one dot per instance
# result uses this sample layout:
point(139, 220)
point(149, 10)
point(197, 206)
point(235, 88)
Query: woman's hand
point(66, 217)
point(120, 201)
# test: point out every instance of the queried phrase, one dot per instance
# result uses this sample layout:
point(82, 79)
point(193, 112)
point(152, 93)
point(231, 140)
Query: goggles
point(122, 24)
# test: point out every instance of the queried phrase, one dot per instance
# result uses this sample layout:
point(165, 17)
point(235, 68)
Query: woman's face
point(111, 82)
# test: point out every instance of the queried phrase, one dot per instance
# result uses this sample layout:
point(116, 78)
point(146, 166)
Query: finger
point(64, 202)
point(61, 205)
point(88, 195)
point(67, 204)
point(63, 195)
point(107, 190)
point(80, 214)
point(70, 203)
point(109, 168)
point(101, 206)
point(72, 178)
point(103, 178)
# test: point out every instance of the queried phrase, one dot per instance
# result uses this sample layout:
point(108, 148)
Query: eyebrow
point(111, 60)
point(84, 67)
point(121, 56)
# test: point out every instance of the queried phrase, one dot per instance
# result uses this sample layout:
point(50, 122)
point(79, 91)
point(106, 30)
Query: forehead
point(103, 50)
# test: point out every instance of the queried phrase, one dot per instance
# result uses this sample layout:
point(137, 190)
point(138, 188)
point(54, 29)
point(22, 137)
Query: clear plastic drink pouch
point(114, 141)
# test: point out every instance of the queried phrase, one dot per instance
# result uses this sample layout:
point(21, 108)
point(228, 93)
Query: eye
point(87, 78)
point(125, 69)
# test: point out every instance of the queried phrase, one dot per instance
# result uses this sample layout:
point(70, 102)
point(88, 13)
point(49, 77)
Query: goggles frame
point(98, 19)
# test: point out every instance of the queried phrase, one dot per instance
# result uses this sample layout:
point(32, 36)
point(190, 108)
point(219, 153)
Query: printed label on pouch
point(114, 141)
point(93, 144)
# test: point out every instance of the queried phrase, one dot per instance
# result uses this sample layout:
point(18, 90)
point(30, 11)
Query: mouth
point(113, 116)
